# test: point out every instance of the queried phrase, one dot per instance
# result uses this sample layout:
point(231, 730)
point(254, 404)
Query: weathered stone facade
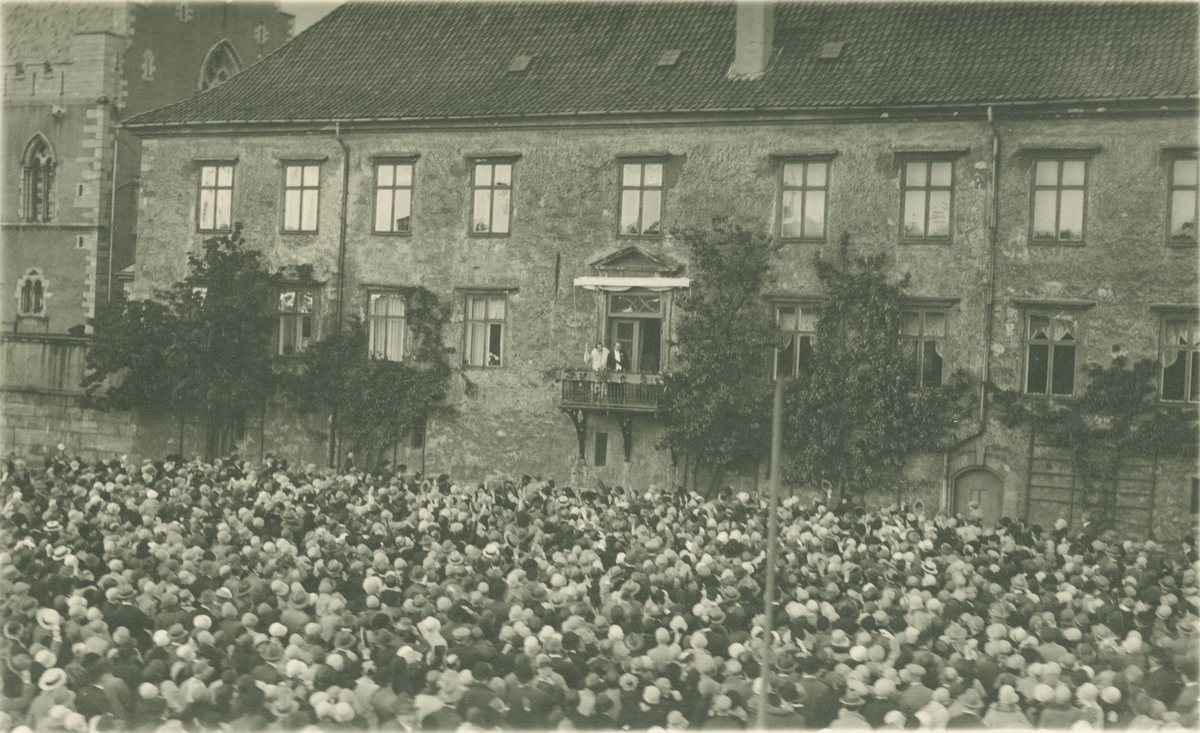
point(565, 203)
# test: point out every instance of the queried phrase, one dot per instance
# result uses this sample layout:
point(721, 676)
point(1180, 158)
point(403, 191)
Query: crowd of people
point(181, 596)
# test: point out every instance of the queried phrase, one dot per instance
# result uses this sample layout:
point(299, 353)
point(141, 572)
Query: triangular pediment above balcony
point(633, 261)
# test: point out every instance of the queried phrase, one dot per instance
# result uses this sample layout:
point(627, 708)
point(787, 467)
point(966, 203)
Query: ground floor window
point(483, 333)
point(1180, 356)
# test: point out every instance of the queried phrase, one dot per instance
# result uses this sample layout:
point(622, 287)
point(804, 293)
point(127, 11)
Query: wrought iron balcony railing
point(615, 391)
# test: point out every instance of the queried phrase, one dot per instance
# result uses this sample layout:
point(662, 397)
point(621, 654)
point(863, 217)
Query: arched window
point(220, 65)
point(38, 185)
point(32, 293)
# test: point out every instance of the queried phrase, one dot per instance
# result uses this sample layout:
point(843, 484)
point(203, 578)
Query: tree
point(201, 345)
point(719, 411)
point(372, 401)
point(852, 418)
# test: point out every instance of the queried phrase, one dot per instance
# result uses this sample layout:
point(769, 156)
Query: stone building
point(72, 72)
point(1033, 166)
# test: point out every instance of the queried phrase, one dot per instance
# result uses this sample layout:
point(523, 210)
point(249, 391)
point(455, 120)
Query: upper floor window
point(927, 198)
point(301, 184)
point(393, 197)
point(1058, 200)
point(1183, 201)
point(296, 321)
point(1180, 355)
point(386, 326)
point(635, 334)
point(483, 333)
point(799, 324)
point(924, 335)
point(32, 294)
point(641, 199)
point(216, 198)
point(491, 197)
point(1050, 342)
point(38, 184)
point(802, 199)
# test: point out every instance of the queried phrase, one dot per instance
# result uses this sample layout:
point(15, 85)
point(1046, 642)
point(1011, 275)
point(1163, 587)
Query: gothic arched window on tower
point(33, 294)
point(220, 65)
point(38, 185)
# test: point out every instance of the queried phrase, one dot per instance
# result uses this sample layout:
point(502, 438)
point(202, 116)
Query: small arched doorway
point(985, 489)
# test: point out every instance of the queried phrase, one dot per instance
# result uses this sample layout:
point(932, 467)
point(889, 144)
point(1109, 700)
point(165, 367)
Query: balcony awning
point(620, 284)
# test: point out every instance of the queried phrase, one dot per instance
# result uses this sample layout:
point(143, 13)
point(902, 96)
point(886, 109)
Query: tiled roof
point(451, 59)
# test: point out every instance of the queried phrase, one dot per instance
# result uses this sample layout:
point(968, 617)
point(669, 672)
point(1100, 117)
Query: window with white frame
point(1059, 188)
point(296, 313)
point(641, 198)
point(803, 189)
point(1051, 339)
point(928, 194)
point(386, 326)
point(1183, 201)
point(924, 335)
point(393, 197)
point(485, 316)
point(215, 207)
point(491, 197)
point(1179, 347)
point(301, 186)
point(798, 324)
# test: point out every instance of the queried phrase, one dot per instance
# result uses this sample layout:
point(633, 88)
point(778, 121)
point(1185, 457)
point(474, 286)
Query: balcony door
point(635, 329)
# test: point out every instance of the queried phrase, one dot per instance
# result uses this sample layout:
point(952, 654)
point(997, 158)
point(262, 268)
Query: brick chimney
point(754, 43)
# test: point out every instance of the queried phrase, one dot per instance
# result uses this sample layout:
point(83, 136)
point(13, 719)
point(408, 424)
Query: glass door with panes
point(635, 330)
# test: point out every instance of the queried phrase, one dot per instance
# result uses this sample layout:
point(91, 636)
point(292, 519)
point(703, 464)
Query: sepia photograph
point(567, 365)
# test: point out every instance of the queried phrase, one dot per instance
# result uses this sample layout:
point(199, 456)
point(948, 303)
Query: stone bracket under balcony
point(622, 395)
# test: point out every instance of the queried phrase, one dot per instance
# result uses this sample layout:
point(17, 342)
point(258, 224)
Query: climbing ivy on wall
point(372, 402)
point(852, 418)
point(1117, 418)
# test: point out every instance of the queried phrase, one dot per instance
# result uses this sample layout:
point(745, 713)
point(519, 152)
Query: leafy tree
point(852, 418)
point(203, 344)
point(719, 411)
point(1117, 417)
point(373, 401)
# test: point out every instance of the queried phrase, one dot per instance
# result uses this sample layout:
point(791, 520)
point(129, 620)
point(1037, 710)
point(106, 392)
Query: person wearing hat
point(916, 694)
point(850, 716)
point(971, 704)
point(721, 715)
point(1004, 713)
point(53, 691)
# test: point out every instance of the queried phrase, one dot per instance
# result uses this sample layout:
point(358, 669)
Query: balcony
point(611, 391)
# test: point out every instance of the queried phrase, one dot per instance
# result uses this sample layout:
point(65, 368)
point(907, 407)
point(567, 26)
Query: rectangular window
point(800, 323)
point(296, 325)
point(1050, 343)
point(927, 197)
point(641, 199)
point(300, 186)
point(216, 198)
point(1183, 201)
point(600, 455)
point(1180, 356)
point(635, 332)
point(491, 197)
point(393, 197)
point(386, 326)
point(484, 330)
point(1058, 200)
point(802, 191)
point(924, 335)
point(1195, 495)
